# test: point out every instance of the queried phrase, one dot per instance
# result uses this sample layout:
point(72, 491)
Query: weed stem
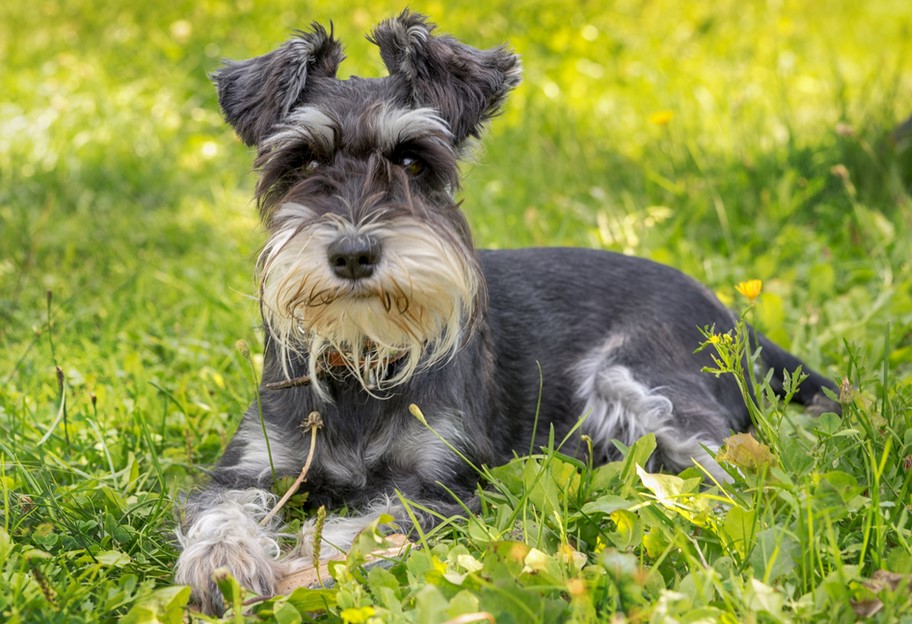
point(314, 422)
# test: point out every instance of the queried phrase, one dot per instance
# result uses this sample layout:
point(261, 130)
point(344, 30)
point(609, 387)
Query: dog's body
point(374, 299)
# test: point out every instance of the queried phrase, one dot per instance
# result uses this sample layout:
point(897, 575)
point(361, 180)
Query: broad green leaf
point(775, 553)
point(113, 558)
point(379, 577)
point(655, 541)
point(629, 529)
point(739, 526)
point(637, 455)
point(674, 493)
point(511, 474)
point(286, 613)
point(308, 600)
point(430, 605)
point(760, 597)
point(543, 566)
point(607, 504)
point(606, 478)
point(666, 487)
point(462, 603)
point(163, 606)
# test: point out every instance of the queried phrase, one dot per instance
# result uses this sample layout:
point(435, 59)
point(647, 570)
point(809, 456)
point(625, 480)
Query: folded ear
point(258, 93)
point(465, 85)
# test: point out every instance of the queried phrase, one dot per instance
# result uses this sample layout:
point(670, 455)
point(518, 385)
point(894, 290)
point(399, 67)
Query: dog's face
point(369, 259)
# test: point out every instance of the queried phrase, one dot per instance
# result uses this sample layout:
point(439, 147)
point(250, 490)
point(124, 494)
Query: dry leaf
point(744, 451)
point(881, 580)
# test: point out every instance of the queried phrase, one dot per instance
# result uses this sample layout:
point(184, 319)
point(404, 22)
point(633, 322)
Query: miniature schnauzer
point(374, 298)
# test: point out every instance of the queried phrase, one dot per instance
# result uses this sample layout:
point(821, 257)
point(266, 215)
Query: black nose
point(354, 257)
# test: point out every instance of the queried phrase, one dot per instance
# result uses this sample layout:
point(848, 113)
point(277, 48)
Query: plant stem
point(314, 422)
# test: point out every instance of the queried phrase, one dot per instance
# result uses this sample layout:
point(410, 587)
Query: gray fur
point(481, 341)
point(258, 93)
point(466, 85)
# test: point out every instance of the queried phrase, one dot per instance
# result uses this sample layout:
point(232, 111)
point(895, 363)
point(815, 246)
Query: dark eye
point(311, 166)
point(412, 165)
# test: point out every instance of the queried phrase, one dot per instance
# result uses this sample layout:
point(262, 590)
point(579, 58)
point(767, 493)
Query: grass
point(734, 141)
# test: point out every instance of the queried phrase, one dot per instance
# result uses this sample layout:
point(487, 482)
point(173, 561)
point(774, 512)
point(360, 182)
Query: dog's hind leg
point(693, 437)
point(688, 421)
point(810, 391)
point(690, 412)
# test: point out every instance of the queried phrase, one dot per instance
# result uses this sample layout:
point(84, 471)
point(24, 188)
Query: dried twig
point(314, 422)
point(303, 380)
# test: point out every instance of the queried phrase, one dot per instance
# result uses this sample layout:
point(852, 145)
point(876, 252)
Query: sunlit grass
point(733, 140)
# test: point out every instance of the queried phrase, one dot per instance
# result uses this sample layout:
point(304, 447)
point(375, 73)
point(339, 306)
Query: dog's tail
point(810, 392)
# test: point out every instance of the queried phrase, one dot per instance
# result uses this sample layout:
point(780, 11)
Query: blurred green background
point(700, 134)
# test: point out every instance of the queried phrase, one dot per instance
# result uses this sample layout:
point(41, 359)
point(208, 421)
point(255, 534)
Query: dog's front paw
point(227, 536)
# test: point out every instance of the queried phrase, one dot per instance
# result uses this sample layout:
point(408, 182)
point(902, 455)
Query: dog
point(374, 298)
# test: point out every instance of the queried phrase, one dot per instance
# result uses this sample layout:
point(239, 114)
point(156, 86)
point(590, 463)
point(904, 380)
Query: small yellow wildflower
point(750, 289)
point(661, 118)
point(354, 615)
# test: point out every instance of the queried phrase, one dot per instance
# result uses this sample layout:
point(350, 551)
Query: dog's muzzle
point(359, 298)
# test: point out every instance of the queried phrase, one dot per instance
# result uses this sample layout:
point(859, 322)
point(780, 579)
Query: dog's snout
point(354, 258)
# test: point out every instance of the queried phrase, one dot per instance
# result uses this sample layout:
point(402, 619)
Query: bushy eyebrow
point(306, 124)
point(382, 129)
point(392, 127)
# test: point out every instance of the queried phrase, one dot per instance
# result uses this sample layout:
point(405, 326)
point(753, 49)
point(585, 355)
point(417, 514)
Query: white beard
point(411, 310)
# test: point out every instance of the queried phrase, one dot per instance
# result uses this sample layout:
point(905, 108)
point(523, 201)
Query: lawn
point(733, 140)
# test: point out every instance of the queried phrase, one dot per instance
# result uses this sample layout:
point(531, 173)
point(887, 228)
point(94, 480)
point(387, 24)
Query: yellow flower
point(750, 289)
point(357, 616)
point(661, 118)
point(720, 338)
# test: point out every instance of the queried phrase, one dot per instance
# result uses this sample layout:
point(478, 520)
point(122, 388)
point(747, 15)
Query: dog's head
point(369, 259)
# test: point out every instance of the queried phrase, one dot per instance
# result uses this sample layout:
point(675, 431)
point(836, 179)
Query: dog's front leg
point(222, 525)
point(221, 529)
point(338, 533)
